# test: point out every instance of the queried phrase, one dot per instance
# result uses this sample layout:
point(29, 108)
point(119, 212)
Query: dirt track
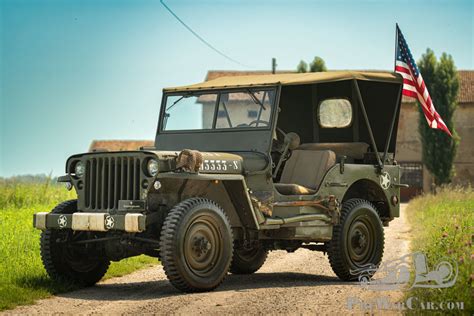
point(300, 282)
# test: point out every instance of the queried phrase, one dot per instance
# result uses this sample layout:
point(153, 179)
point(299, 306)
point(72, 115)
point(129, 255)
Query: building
point(119, 145)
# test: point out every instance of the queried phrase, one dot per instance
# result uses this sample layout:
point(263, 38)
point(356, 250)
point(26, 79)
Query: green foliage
point(439, 150)
point(302, 66)
point(22, 276)
point(316, 65)
point(442, 229)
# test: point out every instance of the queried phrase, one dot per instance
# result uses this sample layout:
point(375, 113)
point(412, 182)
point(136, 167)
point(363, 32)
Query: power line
point(202, 39)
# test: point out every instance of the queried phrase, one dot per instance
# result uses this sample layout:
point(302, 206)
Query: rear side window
point(335, 113)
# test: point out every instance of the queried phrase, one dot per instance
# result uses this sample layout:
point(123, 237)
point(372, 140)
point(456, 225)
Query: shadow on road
point(162, 288)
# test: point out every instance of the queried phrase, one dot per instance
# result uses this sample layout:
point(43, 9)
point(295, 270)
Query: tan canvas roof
point(288, 79)
point(466, 81)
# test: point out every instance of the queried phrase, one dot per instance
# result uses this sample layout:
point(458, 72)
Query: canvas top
point(287, 79)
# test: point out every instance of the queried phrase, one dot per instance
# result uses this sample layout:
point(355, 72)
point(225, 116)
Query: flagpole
point(396, 45)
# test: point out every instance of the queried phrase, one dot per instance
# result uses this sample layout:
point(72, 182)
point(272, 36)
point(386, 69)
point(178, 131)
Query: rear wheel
point(196, 245)
point(248, 260)
point(357, 244)
point(65, 261)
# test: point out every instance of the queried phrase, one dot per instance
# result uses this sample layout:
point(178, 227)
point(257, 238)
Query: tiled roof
point(466, 78)
point(120, 145)
point(466, 88)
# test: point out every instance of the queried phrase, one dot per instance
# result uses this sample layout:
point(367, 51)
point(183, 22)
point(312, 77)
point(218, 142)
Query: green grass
point(22, 276)
point(443, 228)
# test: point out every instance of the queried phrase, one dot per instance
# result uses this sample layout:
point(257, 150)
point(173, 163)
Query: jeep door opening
point(241, 166)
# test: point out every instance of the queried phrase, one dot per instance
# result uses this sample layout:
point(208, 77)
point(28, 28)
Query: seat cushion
point(355, 150)
point(293, 189)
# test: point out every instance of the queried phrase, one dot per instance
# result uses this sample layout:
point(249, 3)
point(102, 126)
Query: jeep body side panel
point(340, 184)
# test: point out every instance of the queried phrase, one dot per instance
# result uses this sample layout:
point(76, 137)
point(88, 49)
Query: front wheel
point(66, 261)
point(196, 245)
point(358, 241)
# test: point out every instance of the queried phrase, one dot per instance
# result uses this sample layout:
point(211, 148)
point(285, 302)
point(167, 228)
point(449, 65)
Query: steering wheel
point(258, 122)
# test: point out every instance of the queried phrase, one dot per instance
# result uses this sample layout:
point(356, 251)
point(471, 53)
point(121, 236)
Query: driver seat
point(304, 171)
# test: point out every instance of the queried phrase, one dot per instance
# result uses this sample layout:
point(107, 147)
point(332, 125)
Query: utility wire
point(202, 39)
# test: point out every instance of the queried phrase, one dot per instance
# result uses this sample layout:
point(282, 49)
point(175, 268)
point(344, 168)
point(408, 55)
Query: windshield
point(250, 108)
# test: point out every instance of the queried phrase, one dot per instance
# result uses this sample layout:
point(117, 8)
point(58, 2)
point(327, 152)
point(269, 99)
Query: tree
point(302, 67)
point(438, 149)
point(317, 65)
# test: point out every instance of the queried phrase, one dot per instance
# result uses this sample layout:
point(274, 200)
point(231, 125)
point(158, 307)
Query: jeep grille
point(110, 179)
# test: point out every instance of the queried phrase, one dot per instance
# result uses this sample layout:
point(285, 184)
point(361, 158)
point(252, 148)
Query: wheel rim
point(361, 241)
point(202, 246)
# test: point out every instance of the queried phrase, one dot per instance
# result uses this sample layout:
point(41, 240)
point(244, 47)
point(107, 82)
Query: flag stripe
point(402, 70)
point(409, 93)
point(409, 87)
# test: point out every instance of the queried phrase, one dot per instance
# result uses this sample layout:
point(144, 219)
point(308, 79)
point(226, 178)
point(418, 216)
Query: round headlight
point(152, 167)
point(79, 169)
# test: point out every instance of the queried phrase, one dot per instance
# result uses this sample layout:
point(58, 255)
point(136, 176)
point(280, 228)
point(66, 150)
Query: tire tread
point(336, 259)
point(59, 272)
point(168, 240)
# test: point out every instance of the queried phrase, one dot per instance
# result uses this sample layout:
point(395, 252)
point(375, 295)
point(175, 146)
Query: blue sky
point(74, 71)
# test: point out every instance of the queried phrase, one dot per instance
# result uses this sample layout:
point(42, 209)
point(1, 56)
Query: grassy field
point(22, 276)
point(443, 228)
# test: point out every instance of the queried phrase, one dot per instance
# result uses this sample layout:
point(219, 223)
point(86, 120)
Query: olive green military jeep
point(241, 166)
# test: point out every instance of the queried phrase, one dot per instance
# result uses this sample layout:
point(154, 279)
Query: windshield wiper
point(176, 102)
point(255, 99)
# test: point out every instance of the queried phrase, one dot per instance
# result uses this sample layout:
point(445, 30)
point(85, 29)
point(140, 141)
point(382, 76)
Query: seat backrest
point(354, 150)
point(307, 167)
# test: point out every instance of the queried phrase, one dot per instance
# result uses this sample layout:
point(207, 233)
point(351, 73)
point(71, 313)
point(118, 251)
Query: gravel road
point(297, 283)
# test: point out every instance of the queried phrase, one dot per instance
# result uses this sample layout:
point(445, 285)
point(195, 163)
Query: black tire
point(248, 260)
point(357, 243)
point(196, 245)
point(65, 263)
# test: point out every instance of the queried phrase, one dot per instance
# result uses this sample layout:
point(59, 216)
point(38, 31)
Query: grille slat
point(100, 176)
point(110, 179)
point(94, 183)
point(136, 180)
point(129, 175)
point(110, 189)
point(105, 182)
point(88, 187)
point(124, 179)
point(117, 181)
point(97, 183)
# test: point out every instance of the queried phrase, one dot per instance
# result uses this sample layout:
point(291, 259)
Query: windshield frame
point(218, 92)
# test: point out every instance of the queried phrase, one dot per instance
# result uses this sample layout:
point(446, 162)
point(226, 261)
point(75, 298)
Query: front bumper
point(100, 222)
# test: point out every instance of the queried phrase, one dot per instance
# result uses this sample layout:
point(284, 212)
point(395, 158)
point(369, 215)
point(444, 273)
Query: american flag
point(414, 85)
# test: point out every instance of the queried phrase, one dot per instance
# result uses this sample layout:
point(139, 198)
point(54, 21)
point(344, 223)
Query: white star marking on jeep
point(385, 180)
point(109, 222)
point(62, 221)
